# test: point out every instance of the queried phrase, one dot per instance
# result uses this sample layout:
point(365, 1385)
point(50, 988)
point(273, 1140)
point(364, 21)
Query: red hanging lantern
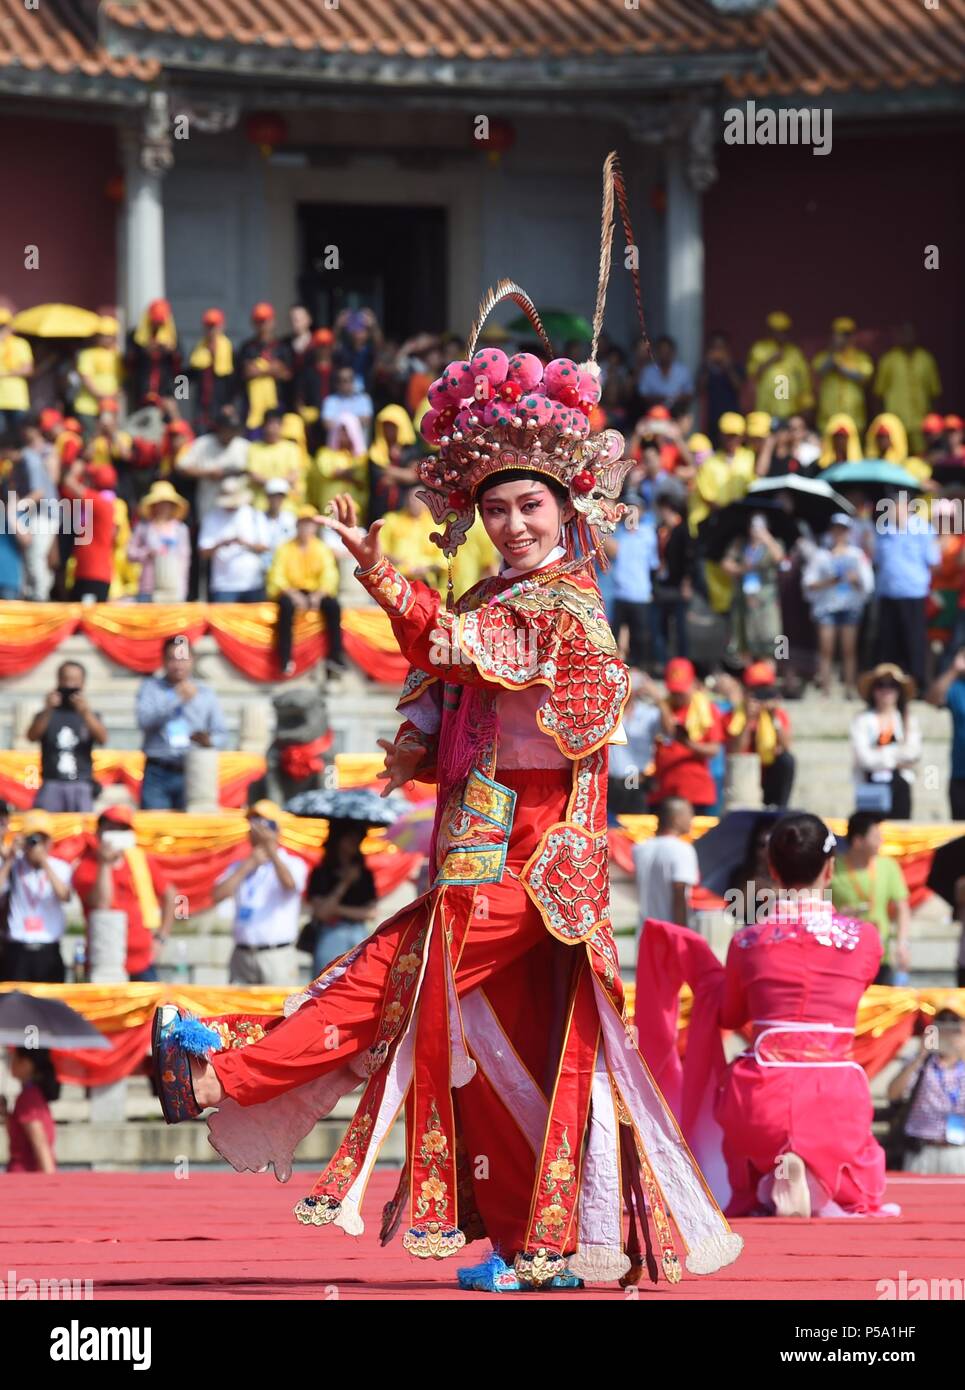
point(267, 130)
point(501, 138)
point(658, 198)
point(114, 189)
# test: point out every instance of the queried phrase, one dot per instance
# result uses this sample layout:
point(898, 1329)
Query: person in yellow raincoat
point(779, 371)
point(907, 383)
point(723, 477)
point(16, 368)
point(840, 441)
point(843, 371)
point(101, 370)
point(341, 465)
point(886, 439)
point(393, 461)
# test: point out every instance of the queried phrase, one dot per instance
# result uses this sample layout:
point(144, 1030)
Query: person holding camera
point(67, 730)
point(35, 886)
point(930, 1090)
point(267, 887)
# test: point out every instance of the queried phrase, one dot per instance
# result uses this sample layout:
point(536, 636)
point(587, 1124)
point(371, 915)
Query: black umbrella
point(948, 473)
point(809, 499)
point(359, 804)
point(727, 847)
point(947, 866)
point(734, 520)
point(46, 1022)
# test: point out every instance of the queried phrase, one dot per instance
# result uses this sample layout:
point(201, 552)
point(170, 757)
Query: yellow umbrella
point(56, 321)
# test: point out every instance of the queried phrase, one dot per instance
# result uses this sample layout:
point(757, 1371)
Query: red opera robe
point(490, 1009)
point(796, 979)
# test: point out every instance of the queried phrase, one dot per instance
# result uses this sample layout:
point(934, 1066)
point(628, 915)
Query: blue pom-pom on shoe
point(191, 1035)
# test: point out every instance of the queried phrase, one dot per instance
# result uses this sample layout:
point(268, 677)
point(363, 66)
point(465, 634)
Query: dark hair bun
point(797, 849)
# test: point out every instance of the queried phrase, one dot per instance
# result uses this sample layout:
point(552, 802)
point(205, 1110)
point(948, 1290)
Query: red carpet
point(232, 1236)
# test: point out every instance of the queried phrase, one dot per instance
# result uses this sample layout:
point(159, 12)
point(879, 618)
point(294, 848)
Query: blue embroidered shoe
point(175, 1039)
point(494, 1275)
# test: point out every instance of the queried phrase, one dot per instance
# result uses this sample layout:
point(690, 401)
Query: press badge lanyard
point(33, 920)
point(870, 871)
point(247, 896)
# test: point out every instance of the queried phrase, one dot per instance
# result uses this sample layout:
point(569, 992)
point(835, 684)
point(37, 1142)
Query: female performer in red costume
point(794, 1109)
point(491, 1008)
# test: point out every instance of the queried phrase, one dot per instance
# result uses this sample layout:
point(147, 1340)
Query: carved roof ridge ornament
point(157, 152)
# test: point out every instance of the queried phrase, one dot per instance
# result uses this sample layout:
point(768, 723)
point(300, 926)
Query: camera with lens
point(32, 841)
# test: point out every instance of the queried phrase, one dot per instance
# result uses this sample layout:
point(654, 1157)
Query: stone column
point(147, 154)
point(201, 780)
point(107, 943)
point(742, 783)
point(690, 172)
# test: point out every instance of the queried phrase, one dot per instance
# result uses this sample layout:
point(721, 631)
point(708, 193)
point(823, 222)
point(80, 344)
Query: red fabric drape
point(133, 650)
point(388, 668)
point(94, 1067)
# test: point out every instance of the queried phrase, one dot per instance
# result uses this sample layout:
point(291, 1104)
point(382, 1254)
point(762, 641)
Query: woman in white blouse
point(886, 741)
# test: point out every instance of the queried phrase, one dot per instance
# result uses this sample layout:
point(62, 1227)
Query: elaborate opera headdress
point(492, 413)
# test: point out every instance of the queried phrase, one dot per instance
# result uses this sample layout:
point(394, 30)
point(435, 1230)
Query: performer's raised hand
point(362, 545)
point(401, 762)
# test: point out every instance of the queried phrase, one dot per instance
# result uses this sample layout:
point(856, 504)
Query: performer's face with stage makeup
point(524, 520)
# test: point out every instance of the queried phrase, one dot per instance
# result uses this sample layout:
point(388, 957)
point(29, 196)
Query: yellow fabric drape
point(899, 840)
point(223, 357)
point(765, 735)
point(114, 1009)
point(370, 625)
point(255, 623)
point(137, 621)
point(143, 887)
point(167, 334)
point(699, 716)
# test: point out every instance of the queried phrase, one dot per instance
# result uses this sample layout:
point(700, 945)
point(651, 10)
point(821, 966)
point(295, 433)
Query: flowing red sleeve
point(475, 648)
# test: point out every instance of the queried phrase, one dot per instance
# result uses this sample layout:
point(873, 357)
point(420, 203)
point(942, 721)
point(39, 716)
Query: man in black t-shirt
point(67, 729)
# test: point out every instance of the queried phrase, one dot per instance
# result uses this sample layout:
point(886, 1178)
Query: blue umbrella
point(870, 473)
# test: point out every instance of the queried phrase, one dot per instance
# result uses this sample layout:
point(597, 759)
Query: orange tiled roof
point(809, 46)
point(60, 36)
point(498, 29)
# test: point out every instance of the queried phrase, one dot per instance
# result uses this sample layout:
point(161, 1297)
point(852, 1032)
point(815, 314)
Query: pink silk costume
point(491, 1008)
point(796, 980)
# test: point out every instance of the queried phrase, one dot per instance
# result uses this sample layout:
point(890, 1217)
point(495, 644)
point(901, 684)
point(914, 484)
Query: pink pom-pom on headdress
point(534, 406)
point(525, 369)
point(560, 375)
point(459, 381)
point(438, 393)
point(491, 363)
